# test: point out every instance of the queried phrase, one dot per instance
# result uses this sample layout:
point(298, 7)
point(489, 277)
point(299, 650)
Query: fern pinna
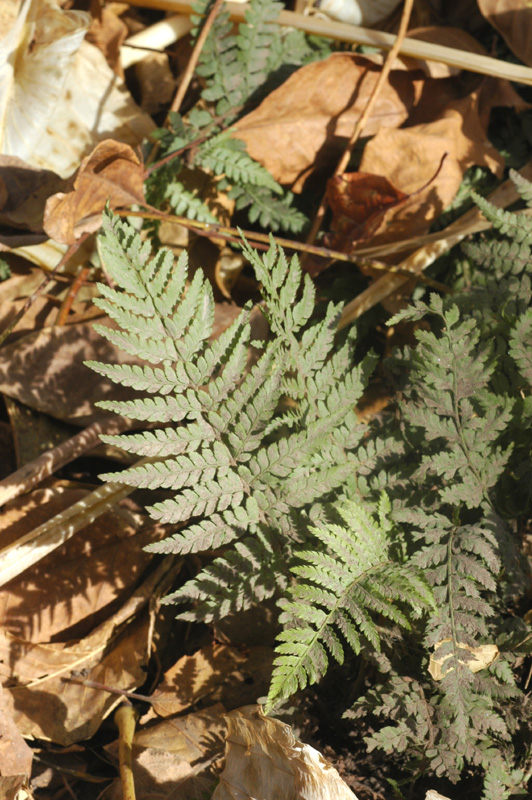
point(244, 475)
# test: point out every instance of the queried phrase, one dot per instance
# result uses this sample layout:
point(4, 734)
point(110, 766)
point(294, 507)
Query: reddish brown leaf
point(111, 173)
point(359, 202)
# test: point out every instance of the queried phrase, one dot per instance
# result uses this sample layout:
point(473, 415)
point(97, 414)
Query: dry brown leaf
point(107, 33)
point(45, 370)
point(304, 124)
point(175, 757)
point(513, 20)
point(219, 672)
point(26, 190)
point(45, 705)
point(361, 203)
point(15, 755)
point(264, 759)
point(90, 573)
point(111, 173)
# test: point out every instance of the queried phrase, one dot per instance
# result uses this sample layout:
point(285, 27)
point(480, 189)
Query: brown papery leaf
point(218, 671)
point(88, 573)
point(176, 757)
point(304, 124)
point(108, 34)
point(15, 755)
point(513, 20)
point(111, 173)
point(45, 704)
point(264, 759)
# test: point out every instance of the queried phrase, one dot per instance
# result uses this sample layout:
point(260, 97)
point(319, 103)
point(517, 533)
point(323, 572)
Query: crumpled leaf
point(360, 203)
point(513, 20)
point(409, 159)
point(304, 124)
point(63, 97)
point(265, 760)
point(111, 173)
point(45, 41)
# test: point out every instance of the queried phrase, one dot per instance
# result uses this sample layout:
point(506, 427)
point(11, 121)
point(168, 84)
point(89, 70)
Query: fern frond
point(338, 588)
point(236, 472)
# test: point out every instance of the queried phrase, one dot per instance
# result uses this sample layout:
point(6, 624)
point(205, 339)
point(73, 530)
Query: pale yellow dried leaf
point(484, 655)
point(264, 759)
point(58, 95)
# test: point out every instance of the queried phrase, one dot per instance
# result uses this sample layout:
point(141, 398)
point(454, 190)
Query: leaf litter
point(87, 615)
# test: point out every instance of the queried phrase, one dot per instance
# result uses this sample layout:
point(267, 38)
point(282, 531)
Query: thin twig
point(67, 303)
point(31, 299)
point(261, 241)
point(194, 58)
point(359, 127)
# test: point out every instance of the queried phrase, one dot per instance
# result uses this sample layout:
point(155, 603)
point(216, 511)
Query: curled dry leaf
point(409, 158)
point(45, 41)
point(483, 656)
point(264, 759)
point(111, 173)
point(513, 20)
point(304, 124)
point(360, 203)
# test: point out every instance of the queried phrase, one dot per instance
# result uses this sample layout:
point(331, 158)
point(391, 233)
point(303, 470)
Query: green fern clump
point(459, 451)
point(243, 475)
